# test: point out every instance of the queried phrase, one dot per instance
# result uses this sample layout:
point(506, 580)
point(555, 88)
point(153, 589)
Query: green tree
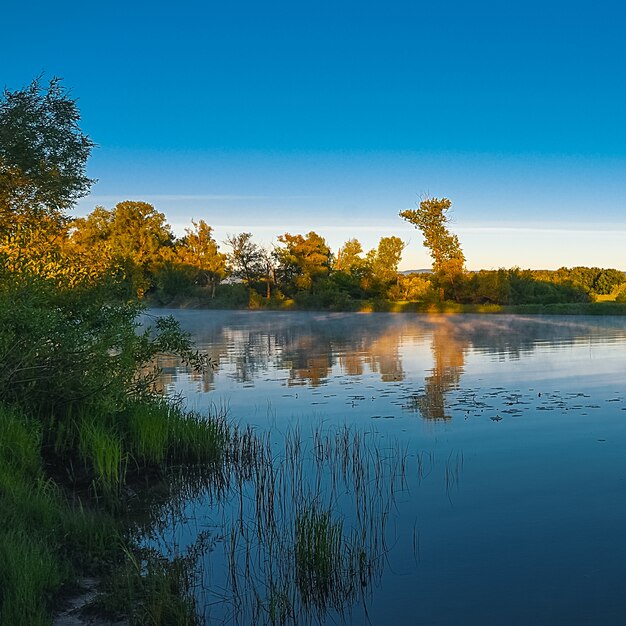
point(245, 260)
point(199, 250)
point(349, 257)
point(608, 280)
point(133, 235)
point(448, 259)
point(384, 260)
point(302, 260)
point(411, 287)
point(43, 154)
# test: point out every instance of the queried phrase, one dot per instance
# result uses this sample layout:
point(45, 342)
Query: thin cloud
point(185, 197)
point(542, 229)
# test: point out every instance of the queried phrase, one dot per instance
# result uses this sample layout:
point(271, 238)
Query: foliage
point(199, 252)
point(60, 348)
point(448, 259)
point(245, 258)
point(301, 261)
point(43, 154)
point(412, 287)
point(132, 237)
point(382, 265)
point(431, 219)
point(349, 259)
point(621, 294)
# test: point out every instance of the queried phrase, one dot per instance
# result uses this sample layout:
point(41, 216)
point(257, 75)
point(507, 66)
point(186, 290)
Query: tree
point(133, 235)
point(302, 260)
point(250, 262)
point(385, 259)
point(246, 258)
point(43, 156)
point(349, 257)
point(198, 250)
point(448, 259)
point(381, 266)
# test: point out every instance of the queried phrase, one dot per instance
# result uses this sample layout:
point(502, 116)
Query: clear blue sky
point(334, 116)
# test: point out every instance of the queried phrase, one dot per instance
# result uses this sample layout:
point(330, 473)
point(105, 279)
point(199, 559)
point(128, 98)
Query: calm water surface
point(513, 505)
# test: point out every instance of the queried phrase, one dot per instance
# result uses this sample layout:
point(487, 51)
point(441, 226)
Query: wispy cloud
point(185, 197)
point(538, 229)
point(181, 197)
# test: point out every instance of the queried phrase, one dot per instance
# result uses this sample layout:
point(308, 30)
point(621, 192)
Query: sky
point(272, 117)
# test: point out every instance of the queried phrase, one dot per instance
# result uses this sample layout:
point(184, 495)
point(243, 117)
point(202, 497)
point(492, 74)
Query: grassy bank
point(82, 432)
point(601, 307)
point(64, 496)
point(574, 308)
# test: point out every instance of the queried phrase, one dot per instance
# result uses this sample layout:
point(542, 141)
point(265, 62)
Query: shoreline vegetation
point(88, 443)
point(606, 307)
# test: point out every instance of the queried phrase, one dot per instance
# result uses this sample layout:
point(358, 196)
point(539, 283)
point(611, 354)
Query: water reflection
point(510, 433)
point(315, 350)
point(448, 347)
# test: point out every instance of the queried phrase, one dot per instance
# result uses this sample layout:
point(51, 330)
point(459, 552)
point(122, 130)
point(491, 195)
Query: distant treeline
point(300, 271)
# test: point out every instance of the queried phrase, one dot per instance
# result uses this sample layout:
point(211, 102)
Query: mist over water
point(513, 434)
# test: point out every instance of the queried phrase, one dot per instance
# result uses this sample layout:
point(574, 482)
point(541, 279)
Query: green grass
point(42, 537)
point(102, 449)
point(319, 551)
point(160, 433)
point(150, 590)
point(30, 574)
point(48, 535)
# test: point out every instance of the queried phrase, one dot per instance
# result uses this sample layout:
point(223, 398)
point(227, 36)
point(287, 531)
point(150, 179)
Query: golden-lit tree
point(43, 156)
point(349, 257)
point(444, 247)
point(133, 236)
point(384, 260)
point(302, 260)
point(199, 251)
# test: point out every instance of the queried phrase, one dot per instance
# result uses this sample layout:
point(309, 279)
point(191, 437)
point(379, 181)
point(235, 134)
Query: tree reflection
point(384, 356)
point(448, 349)
point(311, 349)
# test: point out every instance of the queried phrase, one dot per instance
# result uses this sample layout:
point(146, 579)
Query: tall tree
point(384, 260)
point(349, 257)
point(43, 154)
point(245, 258)
point(43, 157)
point(199, 250)
point(444, 247)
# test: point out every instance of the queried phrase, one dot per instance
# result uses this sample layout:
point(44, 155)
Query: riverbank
point(70, 511)
point(91, 453)
point(391, 306)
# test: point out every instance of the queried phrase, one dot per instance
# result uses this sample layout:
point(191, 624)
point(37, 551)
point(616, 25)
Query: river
point(491, 476)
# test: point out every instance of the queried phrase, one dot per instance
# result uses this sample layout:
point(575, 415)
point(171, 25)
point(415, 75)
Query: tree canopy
point(133, 235)
point(444, 247)
point(303, 259)
point(431, 219)
point(43, 153)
